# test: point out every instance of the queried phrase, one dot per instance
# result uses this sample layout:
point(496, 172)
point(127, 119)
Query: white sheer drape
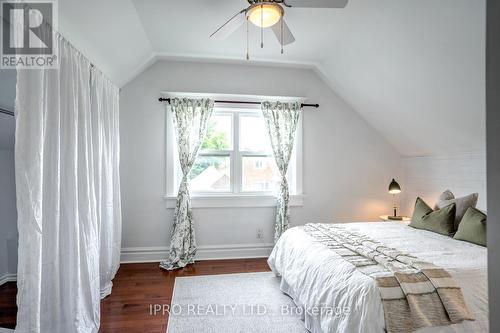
point(67, 195)
point(106, 144)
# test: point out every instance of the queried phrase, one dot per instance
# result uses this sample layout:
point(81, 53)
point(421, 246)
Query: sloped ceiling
point(413, 68)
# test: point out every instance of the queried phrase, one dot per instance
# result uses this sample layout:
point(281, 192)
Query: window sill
point(233, 201)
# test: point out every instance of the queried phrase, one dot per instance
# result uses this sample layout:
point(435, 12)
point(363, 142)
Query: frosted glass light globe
point(265, 15)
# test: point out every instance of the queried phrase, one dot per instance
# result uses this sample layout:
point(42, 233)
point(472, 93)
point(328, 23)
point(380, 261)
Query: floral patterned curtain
point(281, 120)
point(190, 118)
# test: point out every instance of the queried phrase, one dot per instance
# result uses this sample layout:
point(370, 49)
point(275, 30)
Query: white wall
point(428, 176)
point(347, 165)
point(7, 88)
point(493, 151)
point(8, 215)
point(7, 99)
point(8, 212)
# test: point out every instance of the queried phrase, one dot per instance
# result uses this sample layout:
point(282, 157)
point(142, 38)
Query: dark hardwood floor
point(8, 307)
point(135, 288)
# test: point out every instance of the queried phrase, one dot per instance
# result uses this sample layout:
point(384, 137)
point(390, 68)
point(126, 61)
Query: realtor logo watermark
point(28, 34)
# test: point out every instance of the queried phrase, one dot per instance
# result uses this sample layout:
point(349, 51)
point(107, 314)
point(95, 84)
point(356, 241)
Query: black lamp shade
point(394, 187)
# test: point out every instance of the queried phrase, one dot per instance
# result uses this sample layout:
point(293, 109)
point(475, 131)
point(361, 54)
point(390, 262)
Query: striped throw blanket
point(414, 293)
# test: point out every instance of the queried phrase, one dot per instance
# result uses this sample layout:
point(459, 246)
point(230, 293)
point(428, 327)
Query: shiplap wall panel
point(429, 176)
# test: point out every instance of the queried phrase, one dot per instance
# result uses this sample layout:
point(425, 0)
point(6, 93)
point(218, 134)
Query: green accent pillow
point(472, 228)
point(440, 221)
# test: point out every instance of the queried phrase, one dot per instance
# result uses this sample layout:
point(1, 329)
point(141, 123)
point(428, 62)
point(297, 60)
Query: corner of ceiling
point(141, 67)
point(315, 66)
point(210, 59)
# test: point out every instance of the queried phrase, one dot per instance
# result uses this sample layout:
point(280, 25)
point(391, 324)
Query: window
point(235, 159)
point(211, 171)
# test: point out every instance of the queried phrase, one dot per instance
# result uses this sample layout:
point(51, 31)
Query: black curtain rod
point(10, 113)
point(161, 99)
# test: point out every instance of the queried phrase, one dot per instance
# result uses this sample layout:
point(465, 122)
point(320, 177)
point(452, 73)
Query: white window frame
point(236, 197)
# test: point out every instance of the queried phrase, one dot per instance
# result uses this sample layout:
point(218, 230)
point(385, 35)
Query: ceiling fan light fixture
point(265, 15)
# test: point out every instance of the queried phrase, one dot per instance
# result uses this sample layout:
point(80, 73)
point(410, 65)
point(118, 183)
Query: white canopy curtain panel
point(281, 120)
point(190, 117)
point(106, 148)
point(68, 200)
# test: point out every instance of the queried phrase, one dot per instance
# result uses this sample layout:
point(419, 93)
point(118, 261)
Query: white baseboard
point(234, 251)
point(8, 278)
point(207, 252)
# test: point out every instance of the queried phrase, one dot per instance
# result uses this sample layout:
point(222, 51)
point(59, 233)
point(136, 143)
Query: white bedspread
point(319, 280)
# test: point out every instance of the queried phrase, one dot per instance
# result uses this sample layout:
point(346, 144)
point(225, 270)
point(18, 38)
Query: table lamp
point(394, 189)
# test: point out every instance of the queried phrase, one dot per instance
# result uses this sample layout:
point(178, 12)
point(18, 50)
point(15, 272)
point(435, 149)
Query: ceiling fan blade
point(230, 26)
point(287, 33)
point(316, 3)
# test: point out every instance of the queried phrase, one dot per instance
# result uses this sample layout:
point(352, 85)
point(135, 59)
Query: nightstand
point(405, 220)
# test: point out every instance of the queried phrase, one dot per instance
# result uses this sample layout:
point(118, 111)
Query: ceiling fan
point(270, 13)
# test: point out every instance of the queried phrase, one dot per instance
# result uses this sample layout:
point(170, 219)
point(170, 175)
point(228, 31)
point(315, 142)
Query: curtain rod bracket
point(162, 99)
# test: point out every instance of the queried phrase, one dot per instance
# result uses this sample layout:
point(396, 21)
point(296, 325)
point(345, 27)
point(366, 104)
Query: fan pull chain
point(248, 46)
point(261, 26)
point(281, 34)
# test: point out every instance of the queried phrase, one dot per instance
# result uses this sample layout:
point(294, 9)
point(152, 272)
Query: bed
point(317, 277)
